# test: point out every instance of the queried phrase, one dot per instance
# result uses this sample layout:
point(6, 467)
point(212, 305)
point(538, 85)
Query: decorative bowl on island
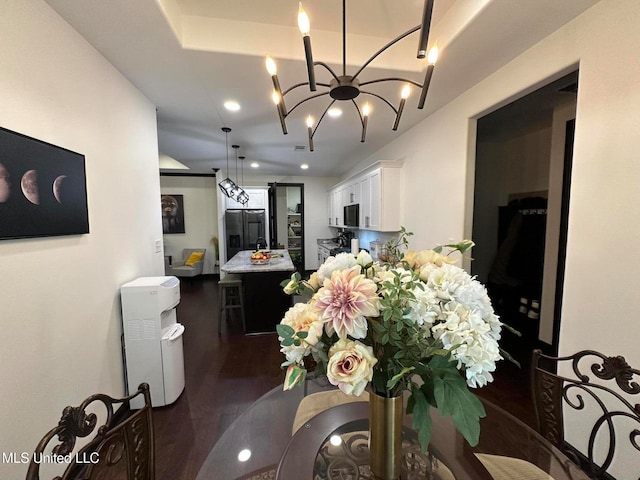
point(260, 258)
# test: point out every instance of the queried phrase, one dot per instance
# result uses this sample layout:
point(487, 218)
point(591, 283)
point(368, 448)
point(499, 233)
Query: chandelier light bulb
point(275, 96)
point(432, 57)
point(271, 66)
point(406, 91)
point(303, 21)
point(309, 121)
point(366, 109)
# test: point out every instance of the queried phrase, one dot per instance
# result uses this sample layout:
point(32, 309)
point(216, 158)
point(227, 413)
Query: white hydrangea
point(465, 320)
point(425, 309)
point(342, 261)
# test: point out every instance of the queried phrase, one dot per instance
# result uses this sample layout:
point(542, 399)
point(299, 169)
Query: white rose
point(350, 366)
point(302, 318)
point(364, 258)
point(342, 261)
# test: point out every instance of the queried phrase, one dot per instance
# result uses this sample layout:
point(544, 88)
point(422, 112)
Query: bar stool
point(231, 296)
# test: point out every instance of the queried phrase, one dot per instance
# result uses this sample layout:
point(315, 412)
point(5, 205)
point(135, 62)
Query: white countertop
point(241, 263)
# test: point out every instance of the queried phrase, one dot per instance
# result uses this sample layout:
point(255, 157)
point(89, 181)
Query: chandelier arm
point(322, 64)
point(363, 120)
point(381, 98)
point(359, 113)
point(306, 100)
point(293, 87)
point(322, 117)
point(396, 79)
point(391, 43)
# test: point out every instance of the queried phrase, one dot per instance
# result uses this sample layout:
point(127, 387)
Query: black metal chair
point(595, 392)
point(121, 447)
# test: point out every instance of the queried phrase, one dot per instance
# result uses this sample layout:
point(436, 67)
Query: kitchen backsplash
point(368, 236)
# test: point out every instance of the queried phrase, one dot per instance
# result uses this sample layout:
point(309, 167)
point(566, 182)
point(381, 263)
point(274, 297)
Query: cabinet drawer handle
point(366, 221)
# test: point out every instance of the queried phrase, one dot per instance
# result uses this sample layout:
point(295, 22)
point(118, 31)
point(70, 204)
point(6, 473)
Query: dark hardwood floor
point(226, 373)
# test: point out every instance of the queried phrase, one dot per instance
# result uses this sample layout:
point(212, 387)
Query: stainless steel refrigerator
point(243, 229)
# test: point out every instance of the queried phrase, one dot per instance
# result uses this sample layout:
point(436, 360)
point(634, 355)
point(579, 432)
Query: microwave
point(352, 215)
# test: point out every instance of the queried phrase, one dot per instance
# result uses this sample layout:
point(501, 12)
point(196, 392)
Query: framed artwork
point(43, 190)
point(172, 213)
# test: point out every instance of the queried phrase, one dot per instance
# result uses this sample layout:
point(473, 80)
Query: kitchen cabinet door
point(375, 200)
point(365, 201)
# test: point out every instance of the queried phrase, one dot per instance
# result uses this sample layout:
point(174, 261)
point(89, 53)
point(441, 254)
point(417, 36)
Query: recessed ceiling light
point(244, 455)
point(304, 166)
point(232, 105)
point(255, 164)
point(334, 112)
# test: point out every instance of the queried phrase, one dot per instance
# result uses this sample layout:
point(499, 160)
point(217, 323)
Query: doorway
point(286, 220)
point(520, 215)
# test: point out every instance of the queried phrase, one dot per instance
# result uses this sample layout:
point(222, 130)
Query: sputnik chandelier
point(347, 87)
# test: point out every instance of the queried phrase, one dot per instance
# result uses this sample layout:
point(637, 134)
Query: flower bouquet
point(420, 324)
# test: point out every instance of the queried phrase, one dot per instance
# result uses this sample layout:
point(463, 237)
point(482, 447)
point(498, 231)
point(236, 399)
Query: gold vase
point(385, 436)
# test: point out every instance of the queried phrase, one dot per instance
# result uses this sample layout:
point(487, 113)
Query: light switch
point(158, 246)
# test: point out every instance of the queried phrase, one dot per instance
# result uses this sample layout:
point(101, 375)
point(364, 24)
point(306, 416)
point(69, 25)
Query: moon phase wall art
point(43, 189)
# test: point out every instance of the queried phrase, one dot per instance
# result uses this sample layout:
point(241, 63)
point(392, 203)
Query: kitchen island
point(264, 300)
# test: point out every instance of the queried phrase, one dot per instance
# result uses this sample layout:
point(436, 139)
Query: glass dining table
point(260, 445)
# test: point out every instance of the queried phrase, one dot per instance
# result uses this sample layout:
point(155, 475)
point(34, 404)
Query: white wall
point(200, 206)
point(601, 304)
point(61, 321)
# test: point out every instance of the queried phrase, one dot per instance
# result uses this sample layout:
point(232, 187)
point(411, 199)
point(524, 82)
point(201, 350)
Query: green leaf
point(285, 331)
point(302, 334)
point(287, 342)
point(421, 418)
point(396, 378)
point(454, 398)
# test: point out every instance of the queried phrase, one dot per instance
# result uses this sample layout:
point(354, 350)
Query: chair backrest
point(595, 394)
point(121, 448)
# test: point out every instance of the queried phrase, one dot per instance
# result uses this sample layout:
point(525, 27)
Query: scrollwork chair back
point(605, 394)
point(122, 447)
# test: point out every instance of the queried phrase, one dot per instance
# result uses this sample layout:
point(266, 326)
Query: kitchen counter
point(241, 263)
point(265, 302)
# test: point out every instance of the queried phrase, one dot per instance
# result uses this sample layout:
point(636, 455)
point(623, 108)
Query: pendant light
point(243, 198)
point(237, 191)
point(227, 185)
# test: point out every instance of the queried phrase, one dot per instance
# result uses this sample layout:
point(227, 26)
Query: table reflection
point(264, 434)
point(345, 454)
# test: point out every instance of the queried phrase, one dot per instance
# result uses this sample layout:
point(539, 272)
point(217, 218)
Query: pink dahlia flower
point(345, 300)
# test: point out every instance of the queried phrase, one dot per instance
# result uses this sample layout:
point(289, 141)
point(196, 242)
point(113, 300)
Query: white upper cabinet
point(377, 191)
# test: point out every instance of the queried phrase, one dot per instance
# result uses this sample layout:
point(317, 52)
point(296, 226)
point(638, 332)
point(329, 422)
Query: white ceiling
point(189, 56)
